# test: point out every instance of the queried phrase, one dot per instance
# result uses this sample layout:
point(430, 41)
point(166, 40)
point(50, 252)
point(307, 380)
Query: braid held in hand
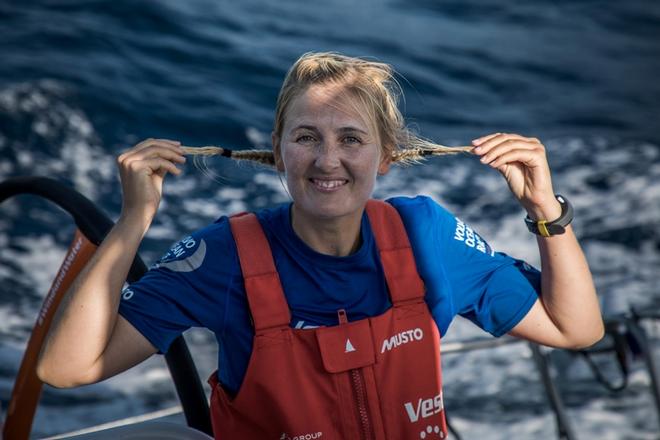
point(404, 156)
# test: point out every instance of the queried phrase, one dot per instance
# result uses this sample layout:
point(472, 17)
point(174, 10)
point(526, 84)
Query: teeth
point(329, 184)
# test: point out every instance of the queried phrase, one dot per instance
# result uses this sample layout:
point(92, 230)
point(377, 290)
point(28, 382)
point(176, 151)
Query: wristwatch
point(556, 227)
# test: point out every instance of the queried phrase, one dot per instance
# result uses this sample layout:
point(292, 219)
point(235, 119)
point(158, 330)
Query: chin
point(329, 210)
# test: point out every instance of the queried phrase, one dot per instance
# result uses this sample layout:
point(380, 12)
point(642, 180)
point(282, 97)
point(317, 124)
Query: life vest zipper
point(360, 392)
point(363, 414)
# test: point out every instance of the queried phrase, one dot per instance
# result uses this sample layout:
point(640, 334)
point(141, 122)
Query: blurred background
point(80, 81)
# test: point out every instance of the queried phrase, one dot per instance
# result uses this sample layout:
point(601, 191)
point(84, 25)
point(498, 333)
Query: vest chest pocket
point(346, 346)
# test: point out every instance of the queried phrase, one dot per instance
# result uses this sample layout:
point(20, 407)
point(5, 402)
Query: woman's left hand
point(523, 163)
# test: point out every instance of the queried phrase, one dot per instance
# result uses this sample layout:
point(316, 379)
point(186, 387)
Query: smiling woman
point(331, 156)
point(302, 296)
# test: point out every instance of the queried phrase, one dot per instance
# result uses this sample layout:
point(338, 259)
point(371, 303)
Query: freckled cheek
point(295, 162)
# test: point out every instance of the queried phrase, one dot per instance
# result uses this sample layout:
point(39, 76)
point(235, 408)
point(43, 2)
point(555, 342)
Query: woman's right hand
point(142, 170)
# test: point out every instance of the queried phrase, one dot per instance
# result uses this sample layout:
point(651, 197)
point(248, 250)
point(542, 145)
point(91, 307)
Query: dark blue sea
point(80, 81)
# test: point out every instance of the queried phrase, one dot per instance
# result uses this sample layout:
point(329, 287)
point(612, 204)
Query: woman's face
point(330, 154)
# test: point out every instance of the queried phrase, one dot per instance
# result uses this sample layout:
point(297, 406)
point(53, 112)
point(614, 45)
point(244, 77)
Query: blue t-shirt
point(198, 283)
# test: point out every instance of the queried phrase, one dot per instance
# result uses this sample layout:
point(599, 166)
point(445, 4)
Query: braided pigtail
point(406, 156)
point(264, 157)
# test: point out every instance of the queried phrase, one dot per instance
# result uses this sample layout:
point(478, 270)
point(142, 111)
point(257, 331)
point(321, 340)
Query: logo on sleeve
point(185, 256)
point(127, 293)
point(471, 239)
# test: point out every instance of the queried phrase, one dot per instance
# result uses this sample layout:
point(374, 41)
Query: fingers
point(483, 139)
point(151, 152)
point(142, 155)
point(156, 165)
point(151, 141)
point(499, 151)
point(501, 148)
point(524, 156)
point(149, 148)
point(485, 143)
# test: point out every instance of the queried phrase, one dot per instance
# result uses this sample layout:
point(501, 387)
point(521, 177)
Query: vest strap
point(396, 255)
point(265, 295)
point(262, 283)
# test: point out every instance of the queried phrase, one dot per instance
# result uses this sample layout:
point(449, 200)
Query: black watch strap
point(556, 227)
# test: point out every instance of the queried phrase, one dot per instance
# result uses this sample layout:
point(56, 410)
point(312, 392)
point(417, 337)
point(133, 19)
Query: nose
point(327, 156)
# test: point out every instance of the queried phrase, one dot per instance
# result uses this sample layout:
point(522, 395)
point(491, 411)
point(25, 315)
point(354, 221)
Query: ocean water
point(80, 81)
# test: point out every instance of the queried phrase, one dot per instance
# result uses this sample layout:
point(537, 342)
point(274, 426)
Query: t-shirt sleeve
point(463, 275)
point(186, 288)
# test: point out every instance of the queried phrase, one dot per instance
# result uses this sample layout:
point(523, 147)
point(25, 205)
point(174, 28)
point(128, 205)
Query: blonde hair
point(377, 93)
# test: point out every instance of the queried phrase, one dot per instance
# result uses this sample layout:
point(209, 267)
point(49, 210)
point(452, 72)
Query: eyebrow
point(341, 130)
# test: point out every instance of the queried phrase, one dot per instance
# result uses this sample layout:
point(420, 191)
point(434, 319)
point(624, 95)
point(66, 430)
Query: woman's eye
point(352, 140)
point(305, 138)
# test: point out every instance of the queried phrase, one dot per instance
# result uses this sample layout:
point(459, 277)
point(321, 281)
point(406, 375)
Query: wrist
point(554, 224)
point(134, 223)
point(548, 211)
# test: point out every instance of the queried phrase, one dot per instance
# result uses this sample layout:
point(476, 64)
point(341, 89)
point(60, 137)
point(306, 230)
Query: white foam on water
point(75, 152)
point(12, 323)
point(203, 207)
point(531, 427)
point(259, 139)
point(271, 181)
point(623, 278)
point(180, 186)
point(40, 260)
point(231, 194)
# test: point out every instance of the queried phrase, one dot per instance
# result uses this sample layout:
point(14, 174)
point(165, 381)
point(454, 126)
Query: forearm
point(85, 321)
point(567, 314)
point(568, 292)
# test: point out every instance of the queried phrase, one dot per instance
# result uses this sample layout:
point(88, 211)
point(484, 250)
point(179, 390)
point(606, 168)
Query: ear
point(277, 151)
point(384, 166)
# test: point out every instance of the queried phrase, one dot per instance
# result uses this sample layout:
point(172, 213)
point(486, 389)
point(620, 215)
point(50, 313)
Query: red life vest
point(376, 378)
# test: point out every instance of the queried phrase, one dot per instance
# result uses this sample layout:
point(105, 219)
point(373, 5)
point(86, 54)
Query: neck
point(338, 237)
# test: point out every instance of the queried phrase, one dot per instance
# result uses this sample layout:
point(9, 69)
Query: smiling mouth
point(328, 185)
